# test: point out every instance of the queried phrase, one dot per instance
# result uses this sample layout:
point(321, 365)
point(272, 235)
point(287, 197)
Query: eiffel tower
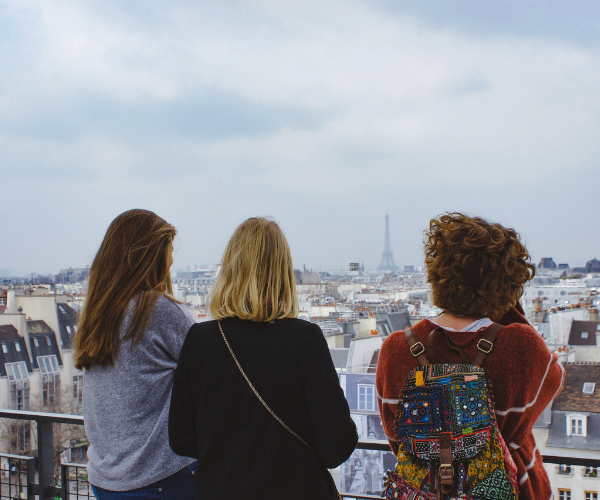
point(387, 258)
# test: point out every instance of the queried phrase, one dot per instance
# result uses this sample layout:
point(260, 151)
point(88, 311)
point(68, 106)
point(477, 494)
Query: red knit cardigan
point(526, 378)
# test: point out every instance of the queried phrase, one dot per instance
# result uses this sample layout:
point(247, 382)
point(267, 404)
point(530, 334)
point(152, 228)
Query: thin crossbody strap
point(256, 392)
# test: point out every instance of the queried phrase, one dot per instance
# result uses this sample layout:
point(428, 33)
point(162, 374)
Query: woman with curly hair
point(477, 270)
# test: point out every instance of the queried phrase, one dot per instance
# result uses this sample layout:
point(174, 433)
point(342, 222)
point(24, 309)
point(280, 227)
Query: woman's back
point(524, 374)
point(126, 405)
point(243, 451)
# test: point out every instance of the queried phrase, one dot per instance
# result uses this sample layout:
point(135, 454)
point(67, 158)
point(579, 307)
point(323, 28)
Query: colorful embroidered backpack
point(449, 445)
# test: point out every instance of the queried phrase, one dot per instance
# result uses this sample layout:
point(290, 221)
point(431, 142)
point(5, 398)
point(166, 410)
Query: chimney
point(593, 313)
point(11, 306)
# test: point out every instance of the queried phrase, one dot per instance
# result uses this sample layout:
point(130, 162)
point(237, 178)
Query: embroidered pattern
point(490, 459)
point(398, 488)
point(495, 487)
point(409, 469)
point(510, 467)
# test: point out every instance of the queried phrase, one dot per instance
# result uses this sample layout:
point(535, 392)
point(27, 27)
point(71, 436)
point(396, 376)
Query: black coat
point(242, 451)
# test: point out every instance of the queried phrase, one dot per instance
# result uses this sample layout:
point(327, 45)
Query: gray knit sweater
point(126, 406)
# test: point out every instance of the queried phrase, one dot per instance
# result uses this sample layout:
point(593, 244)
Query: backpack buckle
point(444, 469)
point(417, 345)
point(483, 349)
point(446, 475)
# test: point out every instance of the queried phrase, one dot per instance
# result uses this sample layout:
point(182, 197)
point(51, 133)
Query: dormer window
point(577, 425)
point(588, 388)
point(584, 335)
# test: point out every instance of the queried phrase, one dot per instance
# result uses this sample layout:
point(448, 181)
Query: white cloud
point(334, 102)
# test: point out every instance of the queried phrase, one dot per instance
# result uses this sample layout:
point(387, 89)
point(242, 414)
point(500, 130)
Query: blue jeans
point(178, 486)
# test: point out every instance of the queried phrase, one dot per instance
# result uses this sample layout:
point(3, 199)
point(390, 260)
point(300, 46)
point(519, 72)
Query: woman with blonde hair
point(256, 397)
point(128, 341)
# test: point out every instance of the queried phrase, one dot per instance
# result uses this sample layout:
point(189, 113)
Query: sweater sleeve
point(182, 412)
point(327, 406)
point(527, 392)
point(388, 389)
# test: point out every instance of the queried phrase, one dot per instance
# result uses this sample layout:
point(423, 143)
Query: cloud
point(322, 114)
point(573, 22)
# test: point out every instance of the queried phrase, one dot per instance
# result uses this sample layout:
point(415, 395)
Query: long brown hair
point(133, 261)
point(256, 281)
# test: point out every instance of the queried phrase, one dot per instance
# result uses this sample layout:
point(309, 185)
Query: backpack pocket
point(457, 403)
point(397, 488)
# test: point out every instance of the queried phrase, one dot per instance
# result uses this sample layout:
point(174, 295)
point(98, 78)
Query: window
point(4, 349)
point(48, 341)
point(2, 302)
point(78, 388)
point(563, 469)
point(588, 387)
point(591, 472)
point(18, 378)
point(17, 372)
point(50, 380)
point(19, 437)
point(36, 342)
point(564, 494)
point(366, 398)
point(17, 347)
point(584, 335)
point(591, 495)
point(577, 425)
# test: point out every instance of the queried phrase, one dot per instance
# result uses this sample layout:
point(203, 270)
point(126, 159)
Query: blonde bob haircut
point(256, 281)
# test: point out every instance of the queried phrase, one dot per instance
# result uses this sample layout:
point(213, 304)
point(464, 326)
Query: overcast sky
point(323, 114)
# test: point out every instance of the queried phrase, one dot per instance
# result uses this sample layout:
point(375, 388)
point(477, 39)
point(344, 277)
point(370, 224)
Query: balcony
point(35, 478)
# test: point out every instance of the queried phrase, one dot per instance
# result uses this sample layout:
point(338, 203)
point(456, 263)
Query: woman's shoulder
point(167, 308)
point(397, 339)
point(523, 338)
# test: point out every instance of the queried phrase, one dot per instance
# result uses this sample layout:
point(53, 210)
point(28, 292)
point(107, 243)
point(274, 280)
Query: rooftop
point(8, 332)
point(572, 397)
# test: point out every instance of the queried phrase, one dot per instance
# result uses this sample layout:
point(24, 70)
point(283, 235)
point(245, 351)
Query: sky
point(322, 114)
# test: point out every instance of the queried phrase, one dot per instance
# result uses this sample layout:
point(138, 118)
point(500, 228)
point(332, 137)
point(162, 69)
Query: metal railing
point(19, 480)
point(45, 487)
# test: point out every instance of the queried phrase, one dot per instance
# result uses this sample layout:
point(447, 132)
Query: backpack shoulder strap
point(416, 348)
point(486, 344)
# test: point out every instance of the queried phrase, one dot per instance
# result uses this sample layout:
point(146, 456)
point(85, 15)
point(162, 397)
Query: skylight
point(588, 387)
point(584, 335)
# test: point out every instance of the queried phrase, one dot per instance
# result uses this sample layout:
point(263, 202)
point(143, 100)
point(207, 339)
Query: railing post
point(64, 481)
point(30, 479)
point(45, 459)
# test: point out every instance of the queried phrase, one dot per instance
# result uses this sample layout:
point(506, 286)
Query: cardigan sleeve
point(182, 412)
point(328, 409)
point(389, 386)
point(529, 388)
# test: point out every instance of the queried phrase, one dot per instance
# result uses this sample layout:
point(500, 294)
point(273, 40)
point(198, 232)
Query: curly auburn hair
point(476, 268)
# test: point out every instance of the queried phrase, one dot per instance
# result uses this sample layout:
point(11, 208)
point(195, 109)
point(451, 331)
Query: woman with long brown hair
point(256, 397)
point(128, 341)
